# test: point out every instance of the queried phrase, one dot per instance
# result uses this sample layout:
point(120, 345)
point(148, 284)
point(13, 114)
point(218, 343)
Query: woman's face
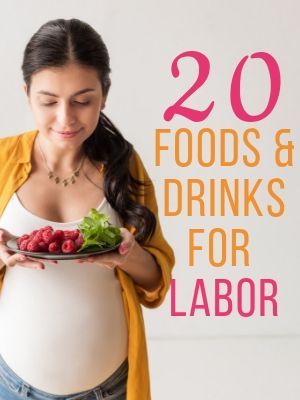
point(66, 99)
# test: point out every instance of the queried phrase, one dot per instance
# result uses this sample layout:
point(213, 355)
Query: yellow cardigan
point(15, 166)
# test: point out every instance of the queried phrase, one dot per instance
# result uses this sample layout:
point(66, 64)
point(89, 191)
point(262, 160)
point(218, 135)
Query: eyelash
point(86, 103)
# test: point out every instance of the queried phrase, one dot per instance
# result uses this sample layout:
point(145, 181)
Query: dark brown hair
point(57, 43)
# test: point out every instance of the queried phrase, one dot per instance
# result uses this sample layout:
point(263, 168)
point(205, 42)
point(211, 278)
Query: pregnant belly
point(62, 329)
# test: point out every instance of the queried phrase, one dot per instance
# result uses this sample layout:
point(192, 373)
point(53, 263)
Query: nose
point(65, 116)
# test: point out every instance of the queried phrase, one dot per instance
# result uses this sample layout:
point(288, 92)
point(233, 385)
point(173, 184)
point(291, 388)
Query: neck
point(61, 159)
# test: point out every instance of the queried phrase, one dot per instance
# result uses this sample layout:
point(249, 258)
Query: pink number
point(235, 92)
point(178, 108)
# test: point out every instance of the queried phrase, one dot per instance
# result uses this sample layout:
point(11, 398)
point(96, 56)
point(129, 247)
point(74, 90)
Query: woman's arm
point(142, 267)
point(157, 248)
point(149, 264)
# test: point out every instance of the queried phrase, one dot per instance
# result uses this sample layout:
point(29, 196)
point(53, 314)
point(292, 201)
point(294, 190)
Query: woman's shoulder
point(17, 145)
point(15, 138)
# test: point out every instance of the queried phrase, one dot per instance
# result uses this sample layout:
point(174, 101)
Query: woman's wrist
point(142, 267)
point(2, 264)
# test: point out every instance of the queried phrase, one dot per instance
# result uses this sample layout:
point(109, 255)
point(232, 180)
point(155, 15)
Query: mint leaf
point(97, 231)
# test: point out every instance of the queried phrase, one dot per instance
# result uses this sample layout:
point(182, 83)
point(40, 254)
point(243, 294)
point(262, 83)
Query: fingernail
point(123, 248)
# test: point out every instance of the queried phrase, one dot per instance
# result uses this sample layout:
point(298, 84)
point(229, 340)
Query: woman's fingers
point(11, 259)
point(22, 260)
point(16, 258)
point(5, 235)
point(41, 259)
point(127, 242)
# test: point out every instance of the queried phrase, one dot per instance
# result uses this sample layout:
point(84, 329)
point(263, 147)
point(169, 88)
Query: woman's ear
point(103, 103)
point(25, 88)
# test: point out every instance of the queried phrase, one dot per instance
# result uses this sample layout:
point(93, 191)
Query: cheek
point(92, 116)
point(42, 115)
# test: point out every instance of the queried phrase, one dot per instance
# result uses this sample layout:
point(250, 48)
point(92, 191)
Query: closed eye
point(48, 104)
point(81, 103)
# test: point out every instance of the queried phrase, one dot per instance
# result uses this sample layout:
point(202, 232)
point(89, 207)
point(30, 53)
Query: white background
point(198, 357)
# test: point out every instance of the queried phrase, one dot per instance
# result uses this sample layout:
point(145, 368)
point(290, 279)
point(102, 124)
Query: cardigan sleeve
point(157, 245)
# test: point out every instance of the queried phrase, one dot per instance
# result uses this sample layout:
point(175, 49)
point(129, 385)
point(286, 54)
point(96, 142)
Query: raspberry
point(54, 247)
point(43, 246)
point(33, 245)
point(58, 235)
point(79, 241)
point(68, 246)
point(71, 234)
point(46, 228)
point(21, 238)
point(33, 234)
point(47, 236)
point(46, 239)
point(23, 244)
point(38, 236)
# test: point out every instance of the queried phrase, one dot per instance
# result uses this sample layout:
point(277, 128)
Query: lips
point(68, 132)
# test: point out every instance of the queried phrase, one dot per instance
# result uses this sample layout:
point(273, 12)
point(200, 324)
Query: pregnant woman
point(71, 329)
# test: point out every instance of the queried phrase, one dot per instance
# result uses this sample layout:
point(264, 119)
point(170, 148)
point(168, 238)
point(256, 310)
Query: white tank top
point(62, 329)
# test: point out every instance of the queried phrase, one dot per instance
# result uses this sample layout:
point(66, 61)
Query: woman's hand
point(11, 259)
point(114, 258)
point(132, 258)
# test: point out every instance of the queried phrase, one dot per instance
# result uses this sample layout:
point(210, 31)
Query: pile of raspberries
point(48, 240)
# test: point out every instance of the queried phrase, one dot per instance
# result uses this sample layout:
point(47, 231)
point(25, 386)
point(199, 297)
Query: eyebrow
point(74, 94)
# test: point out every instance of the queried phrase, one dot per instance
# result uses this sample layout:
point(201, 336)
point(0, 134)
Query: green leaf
point(98, 232)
